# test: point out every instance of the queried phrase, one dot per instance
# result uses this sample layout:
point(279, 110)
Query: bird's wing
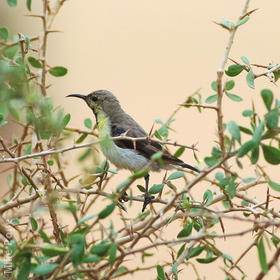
point(144, 147)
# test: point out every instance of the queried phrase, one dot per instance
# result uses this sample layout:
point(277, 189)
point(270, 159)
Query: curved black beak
point(77, 95)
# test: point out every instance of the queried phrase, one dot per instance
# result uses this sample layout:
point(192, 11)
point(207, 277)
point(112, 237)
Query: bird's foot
point(147, 200)
point(124, 197)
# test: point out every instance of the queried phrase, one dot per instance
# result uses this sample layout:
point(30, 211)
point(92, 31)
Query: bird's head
point(100, 101)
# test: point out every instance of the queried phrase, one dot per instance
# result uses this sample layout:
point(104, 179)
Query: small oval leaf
point(34, 62)
point(156, 189)
point(267, 97)
point(271, 154)
point(245, 148)
point(234, 97)
point(175, 175)
point(234, 70)
point(250, 79)
point(107, 211)
point(58, 71)
point(211, 99)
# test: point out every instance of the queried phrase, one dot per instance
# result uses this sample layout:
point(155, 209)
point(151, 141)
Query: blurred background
point(152, 55)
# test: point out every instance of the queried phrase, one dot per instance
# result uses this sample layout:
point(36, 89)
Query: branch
point(79, 146)
point(199, 106)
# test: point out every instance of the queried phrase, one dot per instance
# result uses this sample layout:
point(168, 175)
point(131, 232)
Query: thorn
point(150, 133)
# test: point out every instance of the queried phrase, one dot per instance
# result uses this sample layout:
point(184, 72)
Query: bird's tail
point(185, 165)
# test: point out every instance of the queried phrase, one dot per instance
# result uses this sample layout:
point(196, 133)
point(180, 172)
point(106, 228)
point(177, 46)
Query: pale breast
point(125, 158)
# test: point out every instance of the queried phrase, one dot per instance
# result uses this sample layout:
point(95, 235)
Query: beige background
point(152, 55)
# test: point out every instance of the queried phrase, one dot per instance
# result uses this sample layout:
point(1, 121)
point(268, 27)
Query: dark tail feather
point(185, 165)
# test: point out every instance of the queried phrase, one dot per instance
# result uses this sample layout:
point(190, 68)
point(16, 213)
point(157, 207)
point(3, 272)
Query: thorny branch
point(79, 146)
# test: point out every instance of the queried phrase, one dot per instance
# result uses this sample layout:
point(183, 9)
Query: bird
point(113, 121)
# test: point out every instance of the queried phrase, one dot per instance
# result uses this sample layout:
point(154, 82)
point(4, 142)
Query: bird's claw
point(124, 197)
point(147, 200)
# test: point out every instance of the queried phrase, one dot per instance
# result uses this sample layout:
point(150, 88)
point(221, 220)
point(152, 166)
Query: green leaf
point(77, 244)
point(272, 118)
point(106, 211)
point(123, 184)
point(271, 154)
point(33, 223)
point(156, 189)
point(44, 236)
point(54, 250)
point(227, 260)
point(207, 197)
point(274, 186)
point(175, 175)
point(157, 156)
point(227, 24)
point(255, 154)
point(230, 85)
point(257, 136)
point(2, 120)
point(11, 51)
point(4, 33)
point(211, 98)
point(28, 149)
point(12, 3)
point(234, 97)
point(85, 219)
point(139, 174)
point(120, 271)
point(214, 85)
point(101, 249)
point(141, 188)
point(43, 269)
point(262, 256)
point(58, 71)
point(28, 4)
point(181, 250)
point(66, 120)
point(276, 75)
point(85, 154)
point(245, 60)
point(113, 252)
point(234, 130)
point(250, 79)
point(160, 273)
point(24, 267)
point(186, 231)
point(275, 240)
point(195, 251)
point(267, 97)
point(245, 148)
point(245, 130)
point(175, 270)
point(234, 70)
point(34, 62)
point(88, 123)
point(242, 21)
point(210, 161)
point(82, 138)
point(231, 189)
point(91, 258)
point(206, 260)
point(179, 152)
point(247, 113)
point(249, 180)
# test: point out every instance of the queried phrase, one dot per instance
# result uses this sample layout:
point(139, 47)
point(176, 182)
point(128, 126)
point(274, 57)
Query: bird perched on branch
point(126, 154)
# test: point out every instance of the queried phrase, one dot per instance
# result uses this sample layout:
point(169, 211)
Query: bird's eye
point(94, 98)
